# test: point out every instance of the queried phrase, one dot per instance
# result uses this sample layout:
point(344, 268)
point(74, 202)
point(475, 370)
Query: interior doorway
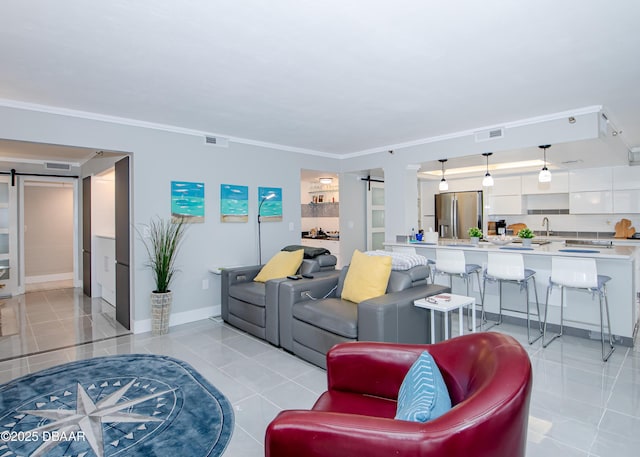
point(106, 237)
point(320, 211)
point(48, 209)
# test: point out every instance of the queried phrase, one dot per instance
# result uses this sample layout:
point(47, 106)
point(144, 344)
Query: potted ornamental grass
point(475, 234)
point(526, 234)
point(162, 239)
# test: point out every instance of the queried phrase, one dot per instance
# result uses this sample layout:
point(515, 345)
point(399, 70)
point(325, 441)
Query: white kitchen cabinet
point(626, 201)
point(509, 185)
point(598, 202)
point(559, 184)
point(626, 178)
point(502, 205)
point(591, 179)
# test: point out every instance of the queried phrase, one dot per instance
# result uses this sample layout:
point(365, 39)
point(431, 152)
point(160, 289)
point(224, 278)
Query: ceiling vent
point(487, 135)
point(57, 166)
point(217, 141)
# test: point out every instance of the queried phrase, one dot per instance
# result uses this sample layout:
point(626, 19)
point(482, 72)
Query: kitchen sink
point(538, 241)
point(597, 243)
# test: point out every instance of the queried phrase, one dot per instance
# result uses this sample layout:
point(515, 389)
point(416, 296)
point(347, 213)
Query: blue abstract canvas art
point(187, 201)
point(270, 204)
point(234, 203)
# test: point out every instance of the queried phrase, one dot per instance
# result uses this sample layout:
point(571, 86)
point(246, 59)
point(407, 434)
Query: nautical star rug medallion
point(125, 405)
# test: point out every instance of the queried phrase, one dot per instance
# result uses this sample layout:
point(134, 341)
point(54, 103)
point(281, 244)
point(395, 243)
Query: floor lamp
point(266, 197)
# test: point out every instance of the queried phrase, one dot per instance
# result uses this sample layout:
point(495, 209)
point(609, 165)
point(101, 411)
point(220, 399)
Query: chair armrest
point(320, 433)
point(240, 274)
point(393, 317)
point(292, 292)
point(272, 309)
point(231, 276)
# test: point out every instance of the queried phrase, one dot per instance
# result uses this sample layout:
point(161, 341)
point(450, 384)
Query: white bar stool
point(509, 267)
point(578, 273)
point(452, 262)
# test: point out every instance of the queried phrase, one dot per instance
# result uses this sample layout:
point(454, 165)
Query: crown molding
point(463, 133)
point(184, 131)
point(154, 126)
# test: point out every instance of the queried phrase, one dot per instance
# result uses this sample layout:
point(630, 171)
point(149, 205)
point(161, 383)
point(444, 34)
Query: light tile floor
point(49, 318)
point(580, 406)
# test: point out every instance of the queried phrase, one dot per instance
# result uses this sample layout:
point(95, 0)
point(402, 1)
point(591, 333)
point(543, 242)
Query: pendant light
point(545, 174)
point(487, 181)
point(444, 185)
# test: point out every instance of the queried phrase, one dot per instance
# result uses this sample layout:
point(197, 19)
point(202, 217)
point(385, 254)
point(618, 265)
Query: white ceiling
point(332, 76)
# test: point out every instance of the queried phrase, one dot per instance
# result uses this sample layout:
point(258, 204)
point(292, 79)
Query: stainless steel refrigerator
point(456, 212)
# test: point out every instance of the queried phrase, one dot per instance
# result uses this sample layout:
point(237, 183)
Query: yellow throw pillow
point(367, 277)
point(281, 265)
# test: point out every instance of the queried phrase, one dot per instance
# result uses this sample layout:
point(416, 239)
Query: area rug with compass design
point(124, 405)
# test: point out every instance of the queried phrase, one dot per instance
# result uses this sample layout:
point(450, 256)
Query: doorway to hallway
point(48, 232)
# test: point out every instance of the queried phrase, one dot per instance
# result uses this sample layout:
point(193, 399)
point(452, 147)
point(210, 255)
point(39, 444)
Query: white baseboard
point(48, 278)
point(143, 326)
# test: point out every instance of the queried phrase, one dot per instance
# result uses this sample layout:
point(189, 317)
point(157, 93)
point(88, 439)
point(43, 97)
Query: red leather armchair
point(489, 380)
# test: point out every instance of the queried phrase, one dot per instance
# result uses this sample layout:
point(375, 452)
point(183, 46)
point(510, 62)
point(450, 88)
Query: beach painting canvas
point(187, 201)
point(270, 204)
point(234, 203)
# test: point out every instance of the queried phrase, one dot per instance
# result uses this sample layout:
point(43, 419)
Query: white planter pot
point(160, 312)
point(526, 242)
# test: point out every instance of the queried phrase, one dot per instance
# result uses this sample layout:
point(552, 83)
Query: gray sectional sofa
point(313, 317)
point(253, 306)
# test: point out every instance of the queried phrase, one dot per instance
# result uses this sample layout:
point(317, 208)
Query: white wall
point(103, 204)
point(353, 194)
point(48, 236)
point(157, 158)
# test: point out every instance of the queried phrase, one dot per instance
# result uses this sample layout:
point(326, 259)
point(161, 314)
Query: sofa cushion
point(398, 280)
point(249, 292)
point(281, 265)
point(331, 314)
point(321, 263)
point(418, 274)
point(367, 277)
point(423, 394)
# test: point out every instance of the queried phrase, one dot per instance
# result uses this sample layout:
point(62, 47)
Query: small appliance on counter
point(501, 227)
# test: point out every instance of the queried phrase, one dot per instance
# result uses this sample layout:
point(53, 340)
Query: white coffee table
point(446, 303)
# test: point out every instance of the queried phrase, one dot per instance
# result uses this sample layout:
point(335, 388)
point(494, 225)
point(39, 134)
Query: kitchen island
point(581, 312)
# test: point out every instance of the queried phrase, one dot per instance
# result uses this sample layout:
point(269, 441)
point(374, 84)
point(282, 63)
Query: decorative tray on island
point(500, 240)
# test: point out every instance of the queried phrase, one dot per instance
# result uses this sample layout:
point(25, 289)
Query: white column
point(401, 200)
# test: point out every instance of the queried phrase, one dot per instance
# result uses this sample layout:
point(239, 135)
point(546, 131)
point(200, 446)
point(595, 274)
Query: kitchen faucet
point(546, 221)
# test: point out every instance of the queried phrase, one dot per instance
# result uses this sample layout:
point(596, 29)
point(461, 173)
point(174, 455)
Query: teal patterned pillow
point(423, 394)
